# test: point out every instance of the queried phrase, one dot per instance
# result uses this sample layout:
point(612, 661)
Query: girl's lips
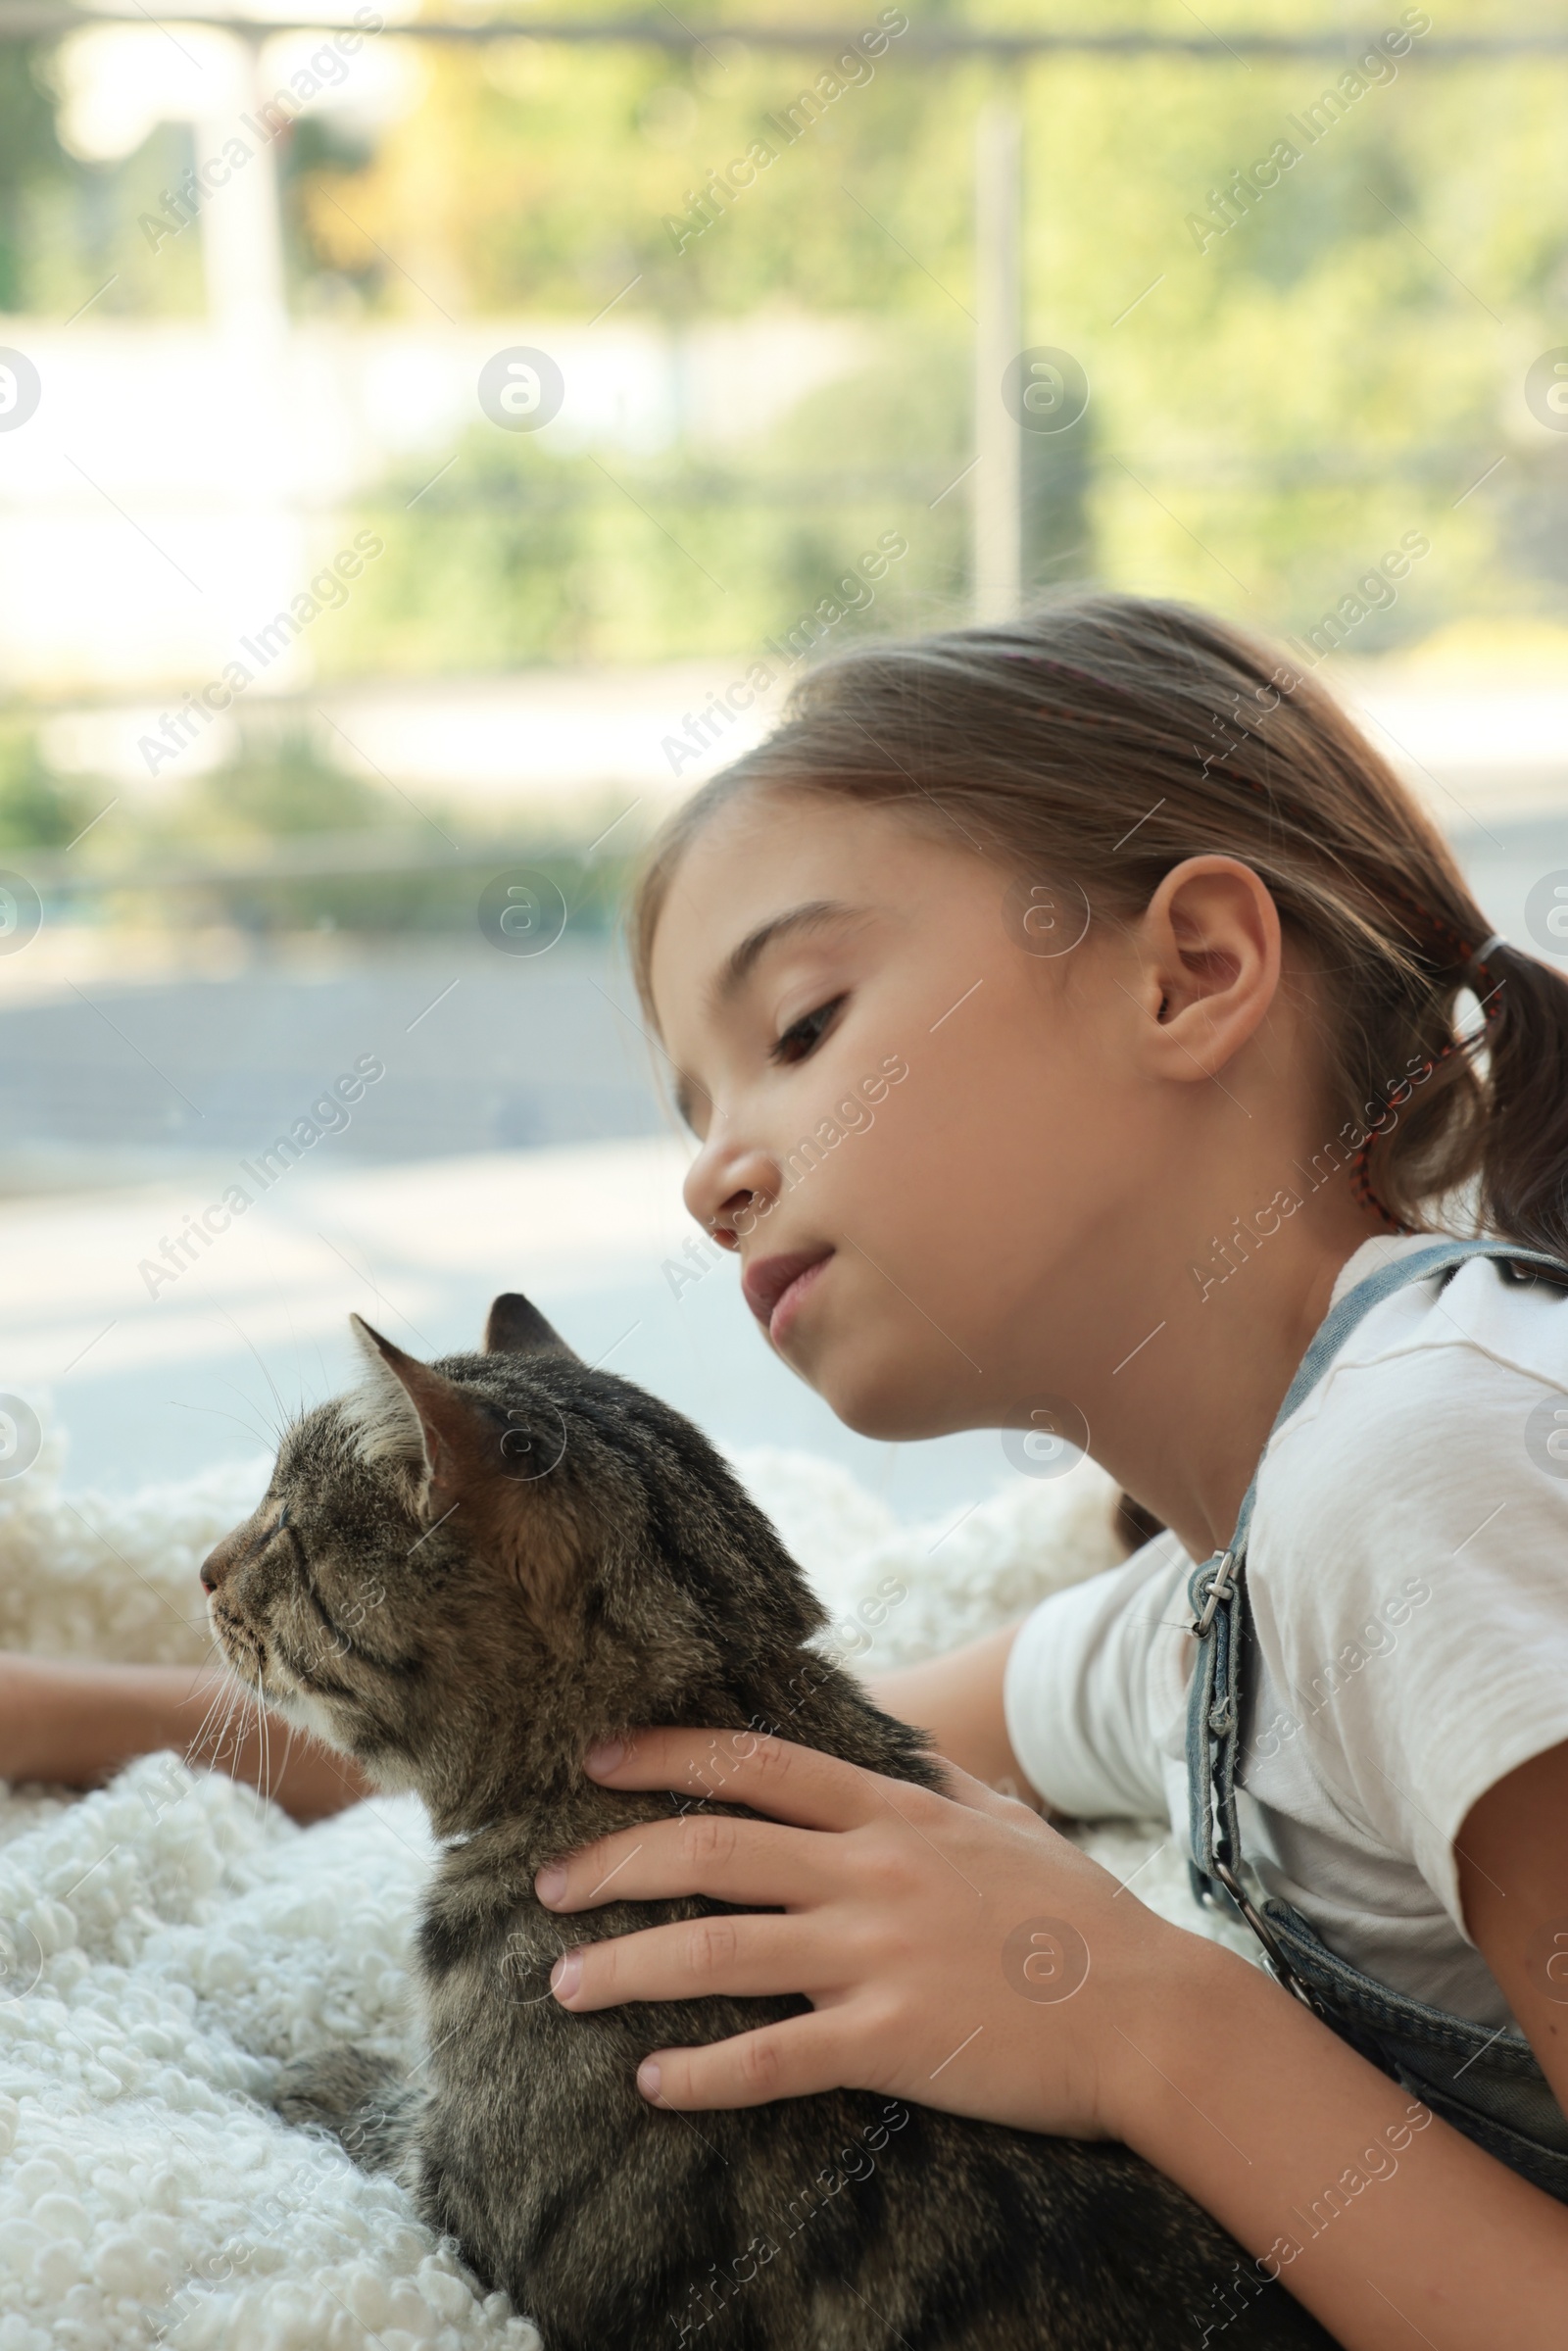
point(789, 1304)
point(773, 1280)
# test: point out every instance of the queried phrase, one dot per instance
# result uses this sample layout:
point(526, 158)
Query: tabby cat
point(464, 1576)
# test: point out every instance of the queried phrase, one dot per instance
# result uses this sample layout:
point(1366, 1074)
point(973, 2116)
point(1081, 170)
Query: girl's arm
point(1391, 2226)
point(77, 1722)
point(958, 1698)
point(1512, 1855)
point(958, 1953)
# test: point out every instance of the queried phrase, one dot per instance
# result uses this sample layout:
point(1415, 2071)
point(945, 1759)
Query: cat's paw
point(327, 2085)
point(364, 2100)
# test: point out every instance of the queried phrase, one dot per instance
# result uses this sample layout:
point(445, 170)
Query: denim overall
point(1485, 2083)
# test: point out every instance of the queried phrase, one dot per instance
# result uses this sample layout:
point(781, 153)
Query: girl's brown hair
point(1105, 739)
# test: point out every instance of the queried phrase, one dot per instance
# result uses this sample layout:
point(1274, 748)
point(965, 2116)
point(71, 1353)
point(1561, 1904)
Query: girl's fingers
point(792, 1784)
point(695, 1959)
point(793, 2060)
point(962, 1789)
point(703, 1853)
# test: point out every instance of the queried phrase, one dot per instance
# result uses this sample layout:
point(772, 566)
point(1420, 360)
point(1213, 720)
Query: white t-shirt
point(1409, 1573)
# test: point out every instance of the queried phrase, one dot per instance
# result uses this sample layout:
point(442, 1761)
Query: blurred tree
point(31, 160)
point(38, 810)
point(278, 786)
point(1284, 380)
point(1274, 401)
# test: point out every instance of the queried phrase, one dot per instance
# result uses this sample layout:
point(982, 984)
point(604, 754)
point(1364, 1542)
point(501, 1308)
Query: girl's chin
point(878, 1402)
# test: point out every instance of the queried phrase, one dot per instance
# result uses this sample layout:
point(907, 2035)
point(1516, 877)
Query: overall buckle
point(1279, 1966)
point(1220, 1587)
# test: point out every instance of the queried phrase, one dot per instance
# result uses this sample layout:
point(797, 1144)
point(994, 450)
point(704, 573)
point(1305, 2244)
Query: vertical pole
point(264, 539)
point(996, 563)
point(242, 227)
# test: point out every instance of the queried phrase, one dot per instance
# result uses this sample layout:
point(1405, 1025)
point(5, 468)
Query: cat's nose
point(220, 1558)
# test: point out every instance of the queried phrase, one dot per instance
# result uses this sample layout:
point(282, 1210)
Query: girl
point(1150, 972)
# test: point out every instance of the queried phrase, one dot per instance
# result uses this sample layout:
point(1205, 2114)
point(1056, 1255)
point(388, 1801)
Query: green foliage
point(519, 556)
point(223, 850)
point(1274, 403)
point(279, 790)
point(276, 790)
point(1284, 402)
point(31, 159)
point(38, 810)
point(542, 176)
point(79, 232)
point(399, 902)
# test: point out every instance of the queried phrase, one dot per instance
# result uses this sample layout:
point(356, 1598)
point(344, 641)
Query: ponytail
point(1522, 1190)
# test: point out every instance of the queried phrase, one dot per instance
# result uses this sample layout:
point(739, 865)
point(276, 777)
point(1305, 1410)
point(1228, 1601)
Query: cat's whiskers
point(226, 1700)
point(264, 1436)
point(233, 1718)
point(219, 1693)
point(288, 1746)
point(283, 1411)
point(262, 1743)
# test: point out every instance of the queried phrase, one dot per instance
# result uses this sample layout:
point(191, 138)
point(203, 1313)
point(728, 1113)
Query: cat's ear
point(515, 1327)
point(484, 1468)
point(407, 1411)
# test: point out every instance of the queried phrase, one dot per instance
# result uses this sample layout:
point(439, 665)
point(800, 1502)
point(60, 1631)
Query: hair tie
point(1486, 950)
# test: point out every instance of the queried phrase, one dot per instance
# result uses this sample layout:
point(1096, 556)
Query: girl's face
point(930, 1140)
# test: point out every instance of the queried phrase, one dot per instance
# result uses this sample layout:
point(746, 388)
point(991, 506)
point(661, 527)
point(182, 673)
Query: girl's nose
point(723, 1226)
point(725, 1186)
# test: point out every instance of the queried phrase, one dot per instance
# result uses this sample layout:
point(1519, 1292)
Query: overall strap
point(1221, 1617)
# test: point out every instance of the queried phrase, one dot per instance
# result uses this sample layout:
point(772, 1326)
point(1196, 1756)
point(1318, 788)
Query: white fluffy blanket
point(163, 1940)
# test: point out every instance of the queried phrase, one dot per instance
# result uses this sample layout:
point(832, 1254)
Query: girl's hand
point(956, 1951)
point(22, 1710)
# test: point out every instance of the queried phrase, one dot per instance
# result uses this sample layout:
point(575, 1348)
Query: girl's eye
point(804, 1034)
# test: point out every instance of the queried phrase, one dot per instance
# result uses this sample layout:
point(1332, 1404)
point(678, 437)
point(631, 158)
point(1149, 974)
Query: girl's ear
point(1210, 943)
point(408, 1413)
point(515, 1327)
